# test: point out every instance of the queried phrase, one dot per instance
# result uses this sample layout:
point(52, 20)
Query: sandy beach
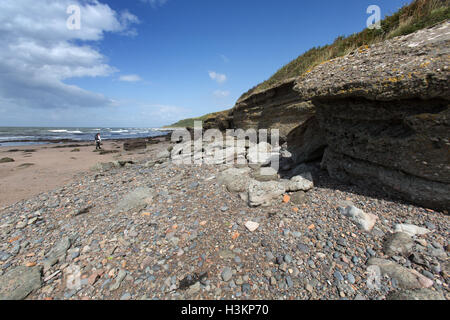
point(41, 168)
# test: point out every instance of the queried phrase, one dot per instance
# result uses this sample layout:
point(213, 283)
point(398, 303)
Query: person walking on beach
point(98, 142)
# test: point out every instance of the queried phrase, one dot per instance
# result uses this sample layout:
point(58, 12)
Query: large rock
point(134, 145)
point(235, 180)
point(105, 166)
point(399, 243)
point(407, 278)
point(262, 154)
point(385, 114)
point(136, 200)
point(265, 174)
point(6, 160)
point(419, 294)
point(363, 220)
point(264, 193)
point(163, 155)
point(303, 182)
point(58, 252)
point(19, 282)
point(411, 229)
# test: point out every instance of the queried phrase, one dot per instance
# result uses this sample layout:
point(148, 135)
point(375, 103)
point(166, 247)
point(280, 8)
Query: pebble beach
point(142, 227)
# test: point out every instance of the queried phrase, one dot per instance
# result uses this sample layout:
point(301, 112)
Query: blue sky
point(148, 63)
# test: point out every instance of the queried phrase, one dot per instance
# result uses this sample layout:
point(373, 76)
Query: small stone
point(351, 278)
point(251, 226)
point(125, 296)
point(289, 282)
point(428, 274)
point(246, 288)
point(273, 281)
point(227, 274)
point(287, 258)
point(268, 273)
point(303, 248)
point(21, 224)
point(338, 276)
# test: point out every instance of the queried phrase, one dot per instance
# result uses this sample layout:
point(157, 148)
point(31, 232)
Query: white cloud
point(39, 52)
point(220, 78)
point(130, 78)
point(221, 94)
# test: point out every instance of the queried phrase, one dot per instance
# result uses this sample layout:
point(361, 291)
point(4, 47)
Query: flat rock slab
point(407, 278)
point(235, 180)
point(58, 252)
point(411, 229)
point(265, 174)
point(420, 294)
point(19, 282)
point(399, 243)
point(136, 199)
point(264, 193)
point(363, 220)
point(303, 182)
point(298, 197)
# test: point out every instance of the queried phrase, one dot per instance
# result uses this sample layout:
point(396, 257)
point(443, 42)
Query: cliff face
point(384, 111)
point(278, 107)
point(381, 114)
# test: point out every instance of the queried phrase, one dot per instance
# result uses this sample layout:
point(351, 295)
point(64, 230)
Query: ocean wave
point(119, 131)
point(16, 138)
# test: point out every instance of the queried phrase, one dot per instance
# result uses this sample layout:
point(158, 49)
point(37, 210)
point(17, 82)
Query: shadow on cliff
point(323, 180)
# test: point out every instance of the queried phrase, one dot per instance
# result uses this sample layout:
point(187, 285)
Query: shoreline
point(142, 230)
point(42, 168)
point(42, 142)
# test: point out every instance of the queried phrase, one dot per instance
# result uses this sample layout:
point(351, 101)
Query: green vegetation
point(415, 16)
point(190, 122)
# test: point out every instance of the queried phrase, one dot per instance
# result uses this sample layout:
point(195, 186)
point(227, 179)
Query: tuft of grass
point(418, 15)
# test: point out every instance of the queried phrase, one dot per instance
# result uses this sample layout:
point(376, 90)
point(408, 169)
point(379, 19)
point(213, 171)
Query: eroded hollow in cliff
point(401, 134)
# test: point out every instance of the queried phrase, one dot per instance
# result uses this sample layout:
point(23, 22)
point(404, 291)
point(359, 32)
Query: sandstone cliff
point(382, 111)
point(278, 107)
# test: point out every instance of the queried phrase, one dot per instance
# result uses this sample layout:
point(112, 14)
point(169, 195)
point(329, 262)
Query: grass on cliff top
point(190, 122)
point(415, 16)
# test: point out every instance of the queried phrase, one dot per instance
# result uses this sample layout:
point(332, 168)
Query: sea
point(20, 136)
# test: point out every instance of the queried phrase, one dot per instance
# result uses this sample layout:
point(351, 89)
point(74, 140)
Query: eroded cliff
point(384, 111)
point(380, 113)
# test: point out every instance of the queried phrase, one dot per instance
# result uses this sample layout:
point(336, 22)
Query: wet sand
point(43, 168)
